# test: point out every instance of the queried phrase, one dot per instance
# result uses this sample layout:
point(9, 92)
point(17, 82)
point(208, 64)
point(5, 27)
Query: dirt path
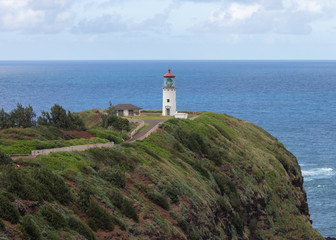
point(153, 123)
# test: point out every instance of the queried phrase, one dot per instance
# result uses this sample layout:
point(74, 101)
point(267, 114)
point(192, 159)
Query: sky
point(167, 29)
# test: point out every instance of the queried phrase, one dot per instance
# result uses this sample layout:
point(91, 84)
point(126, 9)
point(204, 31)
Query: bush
point(17, 182)
point(99, 218)
point(84, 199)
point(5, 159)
point(77, 225)
point(112, 138)
point(31, 230)
point(53, 217)
point(154, 196)
point(238, 223)
point(172, 193)
point(284, 162)
point(118, 123)
point(197, 165)
point(54, 183)
point(183, 224)
point(195, 235)
point(113, 175)
point(123, 204)
point(191, 140)
point(215, 156)
point(128, 210)
point(221, 202)
point(228, 187)
point(8, 211)
point(2, 226)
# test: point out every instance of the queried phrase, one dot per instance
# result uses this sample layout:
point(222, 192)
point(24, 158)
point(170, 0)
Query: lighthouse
point(169, 95)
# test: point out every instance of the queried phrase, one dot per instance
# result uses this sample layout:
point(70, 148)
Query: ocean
point(293, 100)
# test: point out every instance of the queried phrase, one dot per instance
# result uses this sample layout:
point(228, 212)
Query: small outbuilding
point(127, 110)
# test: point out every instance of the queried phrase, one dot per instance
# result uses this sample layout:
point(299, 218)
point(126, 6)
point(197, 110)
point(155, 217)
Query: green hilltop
point(215, 177)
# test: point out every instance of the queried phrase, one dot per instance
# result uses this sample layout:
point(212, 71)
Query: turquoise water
point(294, 100)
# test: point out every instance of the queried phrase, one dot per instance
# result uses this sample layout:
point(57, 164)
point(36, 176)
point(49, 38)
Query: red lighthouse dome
point(169, 74)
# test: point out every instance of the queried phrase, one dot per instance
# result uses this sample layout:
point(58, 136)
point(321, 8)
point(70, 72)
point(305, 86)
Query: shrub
point(2, 226)
point(17, 182)
point(118, 123)
point(172, 193)
point(54, 183)
point(123, 204)
point(84, 199)
point(112, 138)
point(5, 159)
point(198, 167)
point(223, 132)
point(253, 226)
point(183, 224)
point(31, 230)
point(228, 187)
point(195, 235)
point(53, 217)
point(154, 196)
point(215, 156)
point(284, 162)
point(128, 210)
point(99, 218)
point(238, 223)
point(191, 140)
point(77, 225)
point(113, 175)
point(223, 205)
point(8, 211)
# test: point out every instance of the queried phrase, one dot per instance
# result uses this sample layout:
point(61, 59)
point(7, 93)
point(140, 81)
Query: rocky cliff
point(215, 177)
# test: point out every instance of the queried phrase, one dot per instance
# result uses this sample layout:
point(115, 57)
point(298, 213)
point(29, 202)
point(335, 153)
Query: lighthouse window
point(168, 100)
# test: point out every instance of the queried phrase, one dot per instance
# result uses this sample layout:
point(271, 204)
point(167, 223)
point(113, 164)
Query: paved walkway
point(153, 124)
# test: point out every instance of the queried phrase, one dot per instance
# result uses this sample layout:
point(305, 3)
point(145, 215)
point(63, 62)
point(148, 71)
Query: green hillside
point(215, 177)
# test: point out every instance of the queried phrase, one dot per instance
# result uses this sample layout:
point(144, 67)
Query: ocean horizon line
point(148, 60)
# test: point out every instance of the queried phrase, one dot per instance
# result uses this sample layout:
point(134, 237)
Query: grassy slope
point(214, 177)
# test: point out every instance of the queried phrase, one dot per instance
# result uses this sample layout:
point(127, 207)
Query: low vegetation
point(215, 177)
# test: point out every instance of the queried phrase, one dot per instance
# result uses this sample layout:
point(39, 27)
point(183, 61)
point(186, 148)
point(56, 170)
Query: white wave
point(317, 173)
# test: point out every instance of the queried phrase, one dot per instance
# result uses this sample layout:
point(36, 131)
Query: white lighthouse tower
point(169, 95)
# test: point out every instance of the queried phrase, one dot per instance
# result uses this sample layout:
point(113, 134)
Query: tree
point(60, 119)
point(4, 119)
point(58, 116)
point(44, 119)
point(22, 117)
point(111, 109)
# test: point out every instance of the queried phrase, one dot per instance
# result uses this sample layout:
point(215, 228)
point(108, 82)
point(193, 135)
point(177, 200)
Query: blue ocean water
point(293, 100)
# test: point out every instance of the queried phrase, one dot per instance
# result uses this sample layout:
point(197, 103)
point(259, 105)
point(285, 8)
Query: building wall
point(169, 93)
point(181, 115)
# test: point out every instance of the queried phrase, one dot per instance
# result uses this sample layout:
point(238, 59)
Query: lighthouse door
point(168, 112)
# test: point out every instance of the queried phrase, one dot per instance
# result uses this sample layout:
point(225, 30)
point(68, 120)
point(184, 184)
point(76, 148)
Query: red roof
point(169, 74)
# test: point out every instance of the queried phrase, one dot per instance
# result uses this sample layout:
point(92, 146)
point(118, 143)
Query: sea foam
point(317, 173)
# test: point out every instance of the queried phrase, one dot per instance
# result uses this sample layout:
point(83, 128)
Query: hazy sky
point(167, 29)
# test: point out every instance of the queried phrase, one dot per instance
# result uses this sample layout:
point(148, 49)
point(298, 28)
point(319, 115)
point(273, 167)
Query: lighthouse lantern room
point(169, 95)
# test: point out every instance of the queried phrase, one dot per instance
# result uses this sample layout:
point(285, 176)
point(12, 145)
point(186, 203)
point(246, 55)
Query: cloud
point(114, 23)
point(284, 17)
point(35, 16)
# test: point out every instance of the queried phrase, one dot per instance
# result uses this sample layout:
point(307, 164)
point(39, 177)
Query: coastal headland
point(214, 177)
